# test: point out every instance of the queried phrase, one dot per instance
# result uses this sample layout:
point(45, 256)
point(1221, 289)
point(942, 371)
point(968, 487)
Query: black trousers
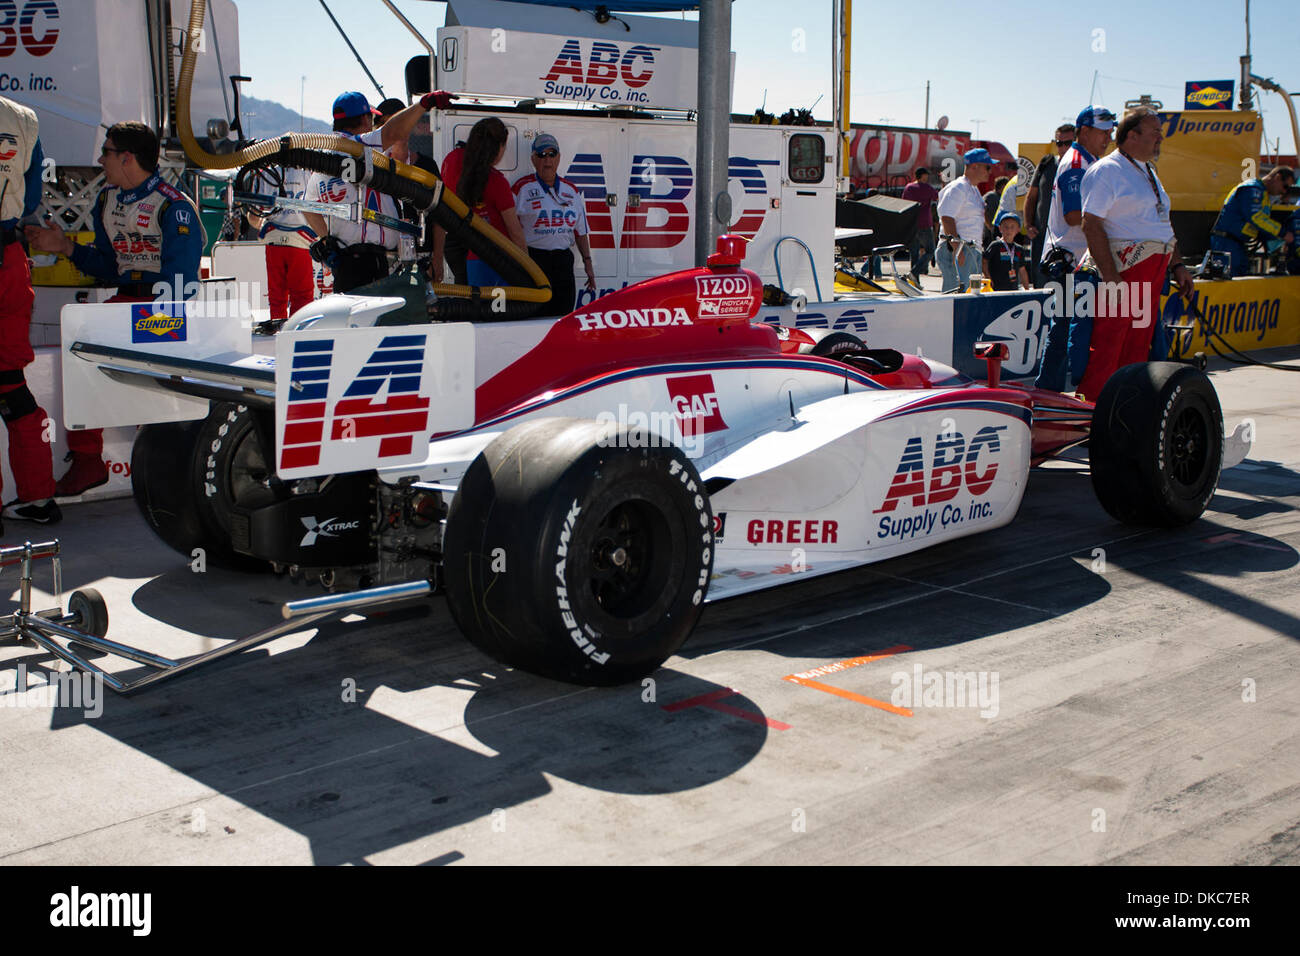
point(359, 265)
point(558, 266)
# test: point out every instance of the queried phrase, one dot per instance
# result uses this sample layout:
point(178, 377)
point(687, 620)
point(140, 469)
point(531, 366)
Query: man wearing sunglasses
point(551, 211)
point(148, 241)
point(1038, 200)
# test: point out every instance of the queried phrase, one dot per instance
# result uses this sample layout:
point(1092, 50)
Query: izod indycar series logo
point(151, 323)
point(599, 74)
point(723, 295)
point(954, 464)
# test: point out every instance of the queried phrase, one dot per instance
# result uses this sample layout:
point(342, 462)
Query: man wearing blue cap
point(1065, 246)
point(961, 217)
point(357, 252)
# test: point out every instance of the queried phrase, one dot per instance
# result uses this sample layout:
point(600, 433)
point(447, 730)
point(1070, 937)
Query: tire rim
point(627, 572)
point(248, 473)
point(1189, 447)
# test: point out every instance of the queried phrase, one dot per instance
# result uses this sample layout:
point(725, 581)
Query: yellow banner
point(1253, 312)
point(1204, 154)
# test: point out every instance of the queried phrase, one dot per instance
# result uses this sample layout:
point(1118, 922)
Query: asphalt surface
point(1139, 706)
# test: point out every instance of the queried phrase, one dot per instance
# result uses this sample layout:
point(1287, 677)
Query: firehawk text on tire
point(1157, 444)
point(579, 551)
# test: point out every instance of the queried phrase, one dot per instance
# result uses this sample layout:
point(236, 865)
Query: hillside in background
point(265, 118)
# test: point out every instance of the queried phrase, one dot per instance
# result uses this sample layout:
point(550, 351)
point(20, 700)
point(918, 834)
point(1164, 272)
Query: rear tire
point(163, 484)
point(573, 552)
point(1156, 445)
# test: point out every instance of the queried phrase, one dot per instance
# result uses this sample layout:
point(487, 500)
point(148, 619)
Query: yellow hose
point(342, 144)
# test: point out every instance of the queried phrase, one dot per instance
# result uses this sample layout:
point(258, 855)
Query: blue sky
point(1019, 67)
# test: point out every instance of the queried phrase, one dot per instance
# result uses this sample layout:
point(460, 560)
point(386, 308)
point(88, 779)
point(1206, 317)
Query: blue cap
point(544, 141)
point(1007, 214)
point(978, 156)
point(351, 105)
point(1098, 117)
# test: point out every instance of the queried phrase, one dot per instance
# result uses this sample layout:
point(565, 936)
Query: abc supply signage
point(556, 68)
point(1208, 95)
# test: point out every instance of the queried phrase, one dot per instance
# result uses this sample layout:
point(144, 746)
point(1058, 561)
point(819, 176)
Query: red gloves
point(438, 98)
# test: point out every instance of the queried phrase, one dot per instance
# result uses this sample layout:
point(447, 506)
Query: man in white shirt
point(1131, 242)
point(961, 217)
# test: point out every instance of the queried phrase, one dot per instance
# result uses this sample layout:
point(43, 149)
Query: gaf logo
point(382, 402)
point(150, 323)
point(27, 27)
point(695, 403)
point(606, 65)
point(953, 464)
point(632, 318)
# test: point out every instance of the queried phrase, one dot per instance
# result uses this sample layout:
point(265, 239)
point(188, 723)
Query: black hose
point(1210, 334)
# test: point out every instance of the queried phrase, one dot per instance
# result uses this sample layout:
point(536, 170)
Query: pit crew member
point(1247, 214)
point(550, 209)
point(1126, 220)
point(21, 161)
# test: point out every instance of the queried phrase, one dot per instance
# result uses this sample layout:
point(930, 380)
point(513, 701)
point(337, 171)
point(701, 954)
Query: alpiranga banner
point(1205, 154)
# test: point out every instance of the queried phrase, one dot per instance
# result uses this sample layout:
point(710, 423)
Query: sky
point(1012, 70)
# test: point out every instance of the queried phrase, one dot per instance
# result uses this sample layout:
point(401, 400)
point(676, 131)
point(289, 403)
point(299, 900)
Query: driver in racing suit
point(148, 241)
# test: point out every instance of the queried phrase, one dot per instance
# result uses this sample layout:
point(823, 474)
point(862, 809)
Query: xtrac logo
point(329, 528)
point(383, 401)
point(660, 203)
point(953, 464)
point(152, 323)
point(25, 20)
point(8, 146)
point(695, 403)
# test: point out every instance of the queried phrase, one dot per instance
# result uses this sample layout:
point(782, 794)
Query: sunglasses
point(110, 149)
point(1064, 142)
point(549, 154)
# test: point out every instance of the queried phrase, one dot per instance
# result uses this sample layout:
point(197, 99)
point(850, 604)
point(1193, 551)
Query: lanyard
point(1151, 179)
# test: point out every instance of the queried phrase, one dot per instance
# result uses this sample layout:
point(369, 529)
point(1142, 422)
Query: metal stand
point(45, 628)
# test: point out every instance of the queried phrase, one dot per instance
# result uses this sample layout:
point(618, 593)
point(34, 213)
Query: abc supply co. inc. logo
point(955, 464)
point(19, 24)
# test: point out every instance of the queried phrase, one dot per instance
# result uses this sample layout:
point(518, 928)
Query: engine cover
point(327, 528)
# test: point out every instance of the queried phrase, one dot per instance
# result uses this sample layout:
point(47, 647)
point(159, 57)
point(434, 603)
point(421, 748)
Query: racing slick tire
point(830, 343)
point(1156, 445)
point(186, 478)
point(576, 551)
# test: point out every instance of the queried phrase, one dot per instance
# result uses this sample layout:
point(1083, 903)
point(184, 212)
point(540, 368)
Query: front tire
point(1156, 445)
point(575, 551)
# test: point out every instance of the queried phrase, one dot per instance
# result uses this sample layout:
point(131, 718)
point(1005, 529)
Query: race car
point(580, 487)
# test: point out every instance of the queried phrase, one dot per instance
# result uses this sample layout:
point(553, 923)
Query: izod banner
point(1208, 95)
point(1205, 154)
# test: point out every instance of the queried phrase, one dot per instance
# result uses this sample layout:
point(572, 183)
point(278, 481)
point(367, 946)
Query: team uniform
point(960, 201)
point(1130, 199)
point(1247, 214)
point(1066, 198)
point(552, 218)
point(1003, 262)
point(21, 159)
point(1068, 336)
point(364, 256)
point(290, 273)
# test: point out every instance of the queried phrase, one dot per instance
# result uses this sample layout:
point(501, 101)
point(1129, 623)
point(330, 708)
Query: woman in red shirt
point(469, 171)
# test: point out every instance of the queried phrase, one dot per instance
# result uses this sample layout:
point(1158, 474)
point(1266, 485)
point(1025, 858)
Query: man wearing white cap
point(961, 217)
point(551, 211)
